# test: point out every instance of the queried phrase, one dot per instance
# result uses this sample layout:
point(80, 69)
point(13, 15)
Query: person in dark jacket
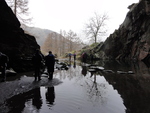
point(84, 57)
point(3, 64)
point(37, 62)
point(50, 62)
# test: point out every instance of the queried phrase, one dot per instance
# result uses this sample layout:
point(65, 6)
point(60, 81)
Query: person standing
point(74, 56)
point(69, 56)
point(50, 62)
point(37, 62)
point(84, 57)
point(3, 64)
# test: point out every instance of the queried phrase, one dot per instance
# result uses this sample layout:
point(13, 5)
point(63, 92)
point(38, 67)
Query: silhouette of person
point(84, 57)
point(69, 56)
point(37, 62)
point(50, 62)
point(37, 100)
point(50, 95)
point(74, 55)
point(3, 64)
point(74, 64)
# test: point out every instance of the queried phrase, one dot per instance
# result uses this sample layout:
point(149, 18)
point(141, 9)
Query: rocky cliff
point(13, 41)
point(132, 39)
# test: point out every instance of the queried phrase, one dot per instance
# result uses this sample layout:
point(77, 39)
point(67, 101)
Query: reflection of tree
point(50, 95)
point(95, 90)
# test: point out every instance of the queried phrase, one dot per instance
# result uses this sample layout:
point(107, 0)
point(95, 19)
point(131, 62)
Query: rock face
point(132, 39)
point(14, 42)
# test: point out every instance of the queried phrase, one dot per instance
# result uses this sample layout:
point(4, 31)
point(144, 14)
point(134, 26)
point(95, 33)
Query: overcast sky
point(73, 14)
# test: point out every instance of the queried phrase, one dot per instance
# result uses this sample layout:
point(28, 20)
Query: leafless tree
point(62, 43)
point(20, 9)
point(71, 36)
point(96, 26)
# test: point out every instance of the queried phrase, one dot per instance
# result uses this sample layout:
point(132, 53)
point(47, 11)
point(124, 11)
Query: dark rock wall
point(14, 42)
point(132, 39)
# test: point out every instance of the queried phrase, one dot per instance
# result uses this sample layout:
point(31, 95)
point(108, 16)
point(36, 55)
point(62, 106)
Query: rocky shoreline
point(23, 84)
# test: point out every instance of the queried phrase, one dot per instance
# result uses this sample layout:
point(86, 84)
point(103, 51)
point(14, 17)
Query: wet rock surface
point(132, 39)
point(24, 84)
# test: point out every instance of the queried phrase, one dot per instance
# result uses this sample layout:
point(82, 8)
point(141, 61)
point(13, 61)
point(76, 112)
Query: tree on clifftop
point(20, 9)
point(96, 26)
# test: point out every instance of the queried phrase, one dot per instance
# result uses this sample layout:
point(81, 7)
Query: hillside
point(52, 41)
point(38, 33)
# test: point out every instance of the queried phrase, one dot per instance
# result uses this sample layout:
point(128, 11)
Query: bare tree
point(62, 43)
point(96, 26)
point(71, 36)
point(20, 9)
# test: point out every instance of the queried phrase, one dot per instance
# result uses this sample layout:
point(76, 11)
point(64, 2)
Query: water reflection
point(84, 70)
point(31, 101)
point(133, 88)
point(36, 101)
point(74, 64)
point(84, 91)
point(50, 96)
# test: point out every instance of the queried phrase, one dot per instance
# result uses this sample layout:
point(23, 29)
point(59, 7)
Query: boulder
point(17, 45)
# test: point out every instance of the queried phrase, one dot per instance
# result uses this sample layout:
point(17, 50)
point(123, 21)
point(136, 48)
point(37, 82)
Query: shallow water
point(84, 92)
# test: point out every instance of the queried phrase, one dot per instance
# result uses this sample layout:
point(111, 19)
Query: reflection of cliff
point(134, 89)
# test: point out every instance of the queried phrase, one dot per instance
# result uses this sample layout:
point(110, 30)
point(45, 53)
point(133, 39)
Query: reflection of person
point(50, 62)
point(37, 62)
point(3, 65)
point(84, 70)
point(50, 95)
point(37, 101)
point(74, 64)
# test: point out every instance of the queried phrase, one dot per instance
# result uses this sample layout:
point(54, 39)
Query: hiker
point(84, 57)
point(37, 62)
point(3, 64)
point(74, 55)
point(69, 56)
point(50, 62)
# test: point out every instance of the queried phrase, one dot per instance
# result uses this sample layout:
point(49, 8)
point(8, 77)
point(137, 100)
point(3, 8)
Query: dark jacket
point(50, 61)
point(37, 60)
